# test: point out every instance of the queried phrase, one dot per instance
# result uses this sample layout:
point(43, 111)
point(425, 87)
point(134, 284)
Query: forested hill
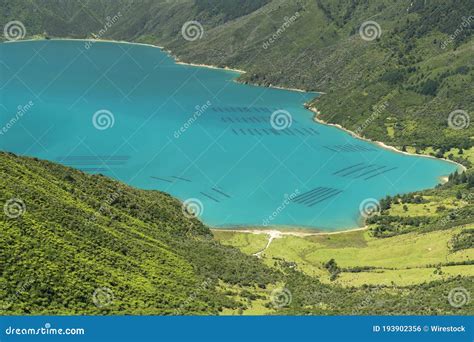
point(397, 81)
point(73, 243)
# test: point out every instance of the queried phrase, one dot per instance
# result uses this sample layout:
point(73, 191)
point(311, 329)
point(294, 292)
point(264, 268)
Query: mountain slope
point(79, 233)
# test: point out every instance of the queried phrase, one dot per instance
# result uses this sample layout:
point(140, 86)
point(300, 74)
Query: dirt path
point(273, 234)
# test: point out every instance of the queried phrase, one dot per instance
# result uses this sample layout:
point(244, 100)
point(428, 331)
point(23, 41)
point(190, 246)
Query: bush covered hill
point(416, 72)
point(79, 233)
point(73, 243)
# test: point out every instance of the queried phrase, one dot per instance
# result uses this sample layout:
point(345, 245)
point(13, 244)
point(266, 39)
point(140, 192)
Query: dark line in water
point(257, 131)
point(348, 148)
point(329, 148)
point(161, 179)
point(343, 148)
point(325, 198)
point(308, 193)
point(319, 195)
point(235, 132)
point(242, 131)
point(297, 130)
point(315, 131)
point(393, 168)
point(181, 178)
point(346, 168)
point(210, 197)
point(274, 131)
point(368, 172)
point(93, 158)
point(250, 131)
point(92, 162)
point(357, 169)
point(98, 169)
point(220, 192)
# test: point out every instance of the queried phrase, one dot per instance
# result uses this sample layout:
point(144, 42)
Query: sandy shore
point(443, 179)
point(93, 40)
point(177, 61)
point(292, 89)
point(277, 233)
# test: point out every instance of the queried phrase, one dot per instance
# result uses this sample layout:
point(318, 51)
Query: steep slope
point(79, 233)
point(414, 69)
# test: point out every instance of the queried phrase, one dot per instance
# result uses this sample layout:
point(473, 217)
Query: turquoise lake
point(131, 113)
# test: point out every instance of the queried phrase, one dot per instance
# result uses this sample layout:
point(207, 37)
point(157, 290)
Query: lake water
point(129, 112)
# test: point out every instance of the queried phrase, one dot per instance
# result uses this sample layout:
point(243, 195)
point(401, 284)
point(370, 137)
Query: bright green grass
point(467, 154)
point(247, 243)
point(259, 306)
point(401, 277)
point(426, 209)
point(407, 250)
point(402, 260)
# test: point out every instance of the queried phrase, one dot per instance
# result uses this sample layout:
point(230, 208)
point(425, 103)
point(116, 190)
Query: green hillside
point(80, 233)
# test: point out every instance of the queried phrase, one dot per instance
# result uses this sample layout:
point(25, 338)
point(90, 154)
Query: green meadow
point(406, 259)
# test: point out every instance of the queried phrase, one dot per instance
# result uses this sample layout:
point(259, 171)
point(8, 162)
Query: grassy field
point(253, 300)
point(406, 259)
point(430, 208)
point(467, 154)
point(247, 243)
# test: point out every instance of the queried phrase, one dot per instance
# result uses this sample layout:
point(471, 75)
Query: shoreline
point(262, 230)
point(443, 179)
point(310, 108)
point(278, 233)
point(170, 53)
point(177, 61)
point(383, 145)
